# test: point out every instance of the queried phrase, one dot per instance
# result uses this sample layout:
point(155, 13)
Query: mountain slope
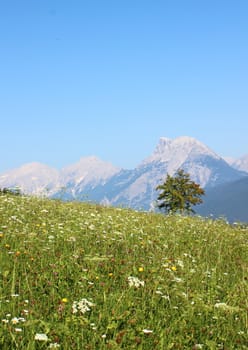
point(229, 200)
point(88, 170)
point(175, 152)
point(79, 180)
point(96, 180)
point(205, 167)
point(241, 163)
point(137, 188)
point(32, 178)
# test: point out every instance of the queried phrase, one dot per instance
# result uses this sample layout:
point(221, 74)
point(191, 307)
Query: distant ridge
point(229, 200)
point(240, 164)
point(33, 178)
point(96, 180)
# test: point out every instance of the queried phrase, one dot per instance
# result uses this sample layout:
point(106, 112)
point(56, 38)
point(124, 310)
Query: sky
point(109, 78)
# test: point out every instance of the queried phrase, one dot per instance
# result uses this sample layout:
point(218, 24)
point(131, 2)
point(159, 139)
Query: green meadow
point(82, 276)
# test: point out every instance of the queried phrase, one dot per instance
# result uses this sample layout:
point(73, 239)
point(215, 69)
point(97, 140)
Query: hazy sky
point(108, 78)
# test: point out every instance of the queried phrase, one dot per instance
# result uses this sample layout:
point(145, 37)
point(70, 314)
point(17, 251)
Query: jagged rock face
point(204, 166)
point(94, 179)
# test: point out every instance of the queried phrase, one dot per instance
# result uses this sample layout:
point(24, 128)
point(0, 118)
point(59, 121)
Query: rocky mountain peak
point(177, 151)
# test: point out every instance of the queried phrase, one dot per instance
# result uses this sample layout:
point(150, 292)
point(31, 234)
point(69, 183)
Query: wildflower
point(64, 300)
point(225, 307)
point(15, 320)
point(54, 346)
point(74, 307)
point(221, 305)
point(159, 292)
point(180, 263)
point(141, 269)
point(41, 337)
point(82, 306)
point(147, 331)
point(178, 280)
point(18, 330)
point(135, 282)
point(173, 268)
point(241, 332)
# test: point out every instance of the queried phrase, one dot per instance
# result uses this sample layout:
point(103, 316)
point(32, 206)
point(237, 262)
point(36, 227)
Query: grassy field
point(80, 276)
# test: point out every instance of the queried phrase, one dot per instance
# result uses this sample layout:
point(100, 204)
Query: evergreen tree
point(179, 193)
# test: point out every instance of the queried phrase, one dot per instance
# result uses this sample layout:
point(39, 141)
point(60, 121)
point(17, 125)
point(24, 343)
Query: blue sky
point(108, 78)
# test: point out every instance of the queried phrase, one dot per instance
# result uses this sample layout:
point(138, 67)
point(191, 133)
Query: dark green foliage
point(13, 191)
point(179, 193)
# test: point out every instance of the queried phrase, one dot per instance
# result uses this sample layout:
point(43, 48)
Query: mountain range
point(96, 180)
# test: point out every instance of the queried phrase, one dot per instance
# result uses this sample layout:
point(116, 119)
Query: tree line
point(13, 191)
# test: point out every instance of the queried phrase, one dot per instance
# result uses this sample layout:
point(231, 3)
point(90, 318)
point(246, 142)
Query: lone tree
point(179, 193)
